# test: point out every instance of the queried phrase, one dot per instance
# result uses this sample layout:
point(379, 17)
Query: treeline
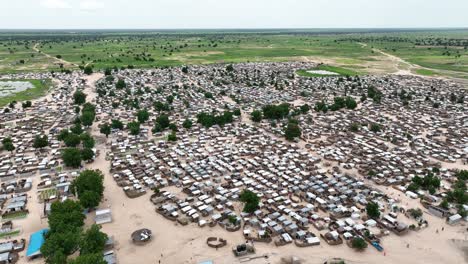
point(209, 120)
point(66, 234)
point(338, 103)
point(79, 143)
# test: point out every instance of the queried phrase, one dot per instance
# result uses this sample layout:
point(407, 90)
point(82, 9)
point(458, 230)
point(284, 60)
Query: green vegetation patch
point(9, 234)
point(334, 71)
point(17, 215)
point(425, 72)
point(41, 87)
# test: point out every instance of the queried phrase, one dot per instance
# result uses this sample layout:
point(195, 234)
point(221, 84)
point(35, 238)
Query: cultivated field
point(438, 53)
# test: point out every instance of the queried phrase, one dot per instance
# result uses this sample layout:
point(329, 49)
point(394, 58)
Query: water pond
point(11, 87)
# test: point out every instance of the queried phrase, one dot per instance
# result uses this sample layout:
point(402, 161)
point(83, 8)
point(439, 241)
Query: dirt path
point(61, 61)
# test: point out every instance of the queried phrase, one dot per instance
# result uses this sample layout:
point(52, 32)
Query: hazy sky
point(160, 14)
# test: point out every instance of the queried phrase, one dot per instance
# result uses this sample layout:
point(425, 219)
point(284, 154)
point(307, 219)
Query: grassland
point(338, 70)
point(41, 87)
point(440, 52)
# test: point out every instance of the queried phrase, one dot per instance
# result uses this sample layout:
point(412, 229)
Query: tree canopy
point(143, 116)
point(292, 131)
point(250, 200)
point(372, 210)
point(79, 97)
point(71, 157)
point(134, 128)
point(105, 129)
point(40, 142)
point(90, 187)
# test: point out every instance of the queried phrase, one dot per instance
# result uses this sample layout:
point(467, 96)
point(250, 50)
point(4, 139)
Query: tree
point(163, 121)
point(8, 144)
point(372, 210)
point(79, 97)
point(208, 95)
point(134, 128)
point(230, 68)
point(251, 201)
point(354, 127)
point(71, 157)
point(87, 154)
point(87, 118)
point(305, 108)
point(120, 84)
point(358, 243)
point(350, 103)
point(60, 244)
point(108, 72)
point(63, 134)
point(72, 140)
point(256, 116)
point(415, 213)
point(88, 258)
point(89, 199)
point(26, 104)
point(187, 124)
point(88, 70)
point(89, 186)
point(65, 215)
point(237, 112)
point(87, 140)
point(292, 131)
point(40, 142)
point(172, 136)
point(105, 129)
point(143, 116)
point(159, 106)
point(375, 128)
point(117, 124)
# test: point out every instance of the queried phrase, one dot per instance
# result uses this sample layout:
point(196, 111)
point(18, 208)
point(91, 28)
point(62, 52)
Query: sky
point(208, 14)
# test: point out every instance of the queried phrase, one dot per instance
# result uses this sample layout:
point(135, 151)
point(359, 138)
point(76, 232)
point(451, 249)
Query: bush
point(358, 243)
point(88, 70)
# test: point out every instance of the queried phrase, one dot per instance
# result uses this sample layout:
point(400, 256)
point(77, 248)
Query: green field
point(41, 87)
point(437, 51)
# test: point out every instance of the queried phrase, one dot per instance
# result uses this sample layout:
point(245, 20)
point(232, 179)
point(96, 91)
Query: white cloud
point(91, 5)
point(55, 4)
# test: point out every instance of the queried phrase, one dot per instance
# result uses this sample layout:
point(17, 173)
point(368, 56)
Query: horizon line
point(242, 28)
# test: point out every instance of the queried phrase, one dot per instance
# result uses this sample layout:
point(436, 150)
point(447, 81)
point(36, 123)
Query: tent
point(35, 242)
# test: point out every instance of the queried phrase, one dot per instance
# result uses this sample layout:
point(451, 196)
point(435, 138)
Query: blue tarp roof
point(206, 262)
point(35, 242)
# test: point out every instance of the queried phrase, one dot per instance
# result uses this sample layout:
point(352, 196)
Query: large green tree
point(292, 131)
point(105, 129)
point(71, 157)
point(134, 128)
point(93, 241)
point(250, 200)
point(41, 142)
point(65, 215)
point(90, 187)
point(143, 116)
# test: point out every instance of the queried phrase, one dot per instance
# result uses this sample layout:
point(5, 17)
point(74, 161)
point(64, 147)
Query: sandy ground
point(187, 244)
